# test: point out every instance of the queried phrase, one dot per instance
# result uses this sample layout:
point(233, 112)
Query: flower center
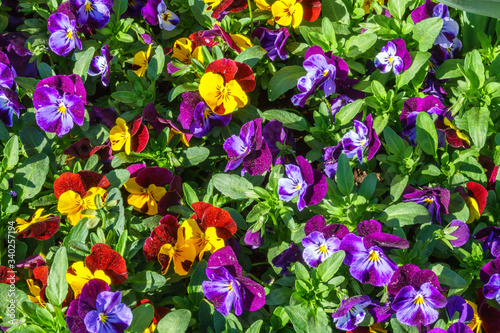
point(88, 6)
point(419, 300)
point(326, 72)
point(374, 256)
point(207, 112)
point(223, 92)
point(298, 186)
point(391, 59)
point(102, 317)
point(69, 34)
point(166, 16)
point(230, 286)
point(323, 249)
point(62, 108)
point(362, 143)
point(428, 200)
point(290, 10)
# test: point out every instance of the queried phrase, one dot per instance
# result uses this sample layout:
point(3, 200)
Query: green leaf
point(474, 69)
point(57, 286)
point(425, 32)
point(78, 233)
point(195, 155)
point(11, 153)
point(405, 213)
point(336, 11)
point(284, 80)
point(398, 185)
point(45, 70)
point(368, 186)
point(418, 62)
point(307, 319)
point(348, 112)
point(188, 86)
point(174, 322)
point(395, 144)
point(142, 316)
point(26, 329)
point(287, 118)
point(83, 60)
point(195, 291)
point(477, 120)
point(359, 44)
point(397, 327)
point(328, 268)
point(426, 134)
point(189, 194)
point(147, 281)
point(489, 8)
point(156, 64)
point(232, 186)
point(301, 272)
point(200, 14)
point(251, 56)
point(450, 69)
point(30, 176)
point(6, 295)
point(397, 7)
point(34, 142)
point(279, 296)
point(126, 97)
point(119, 7)
point(448, 277)
point(117, 177)
point(344, 176)
point(255, 328)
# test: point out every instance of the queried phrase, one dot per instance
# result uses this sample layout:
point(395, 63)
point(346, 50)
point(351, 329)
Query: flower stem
point(251, 16)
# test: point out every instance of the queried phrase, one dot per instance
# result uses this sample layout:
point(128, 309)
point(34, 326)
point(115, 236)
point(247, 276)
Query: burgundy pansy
point(209, 216)
point(154, 119)
point(372, 234)
point(411, 275)
point(164, 233)
point(475, 198)
point(318, 223)
point(103, 257)
point(83, 149)
point(79, 182)
point(41, 227)
point(311, 8)
point(220, 8)
point(7, 275)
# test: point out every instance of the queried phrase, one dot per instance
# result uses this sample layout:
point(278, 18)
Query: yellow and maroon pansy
point(475, 199)
point(78, 275)
point(130, 139)
point(41, 227)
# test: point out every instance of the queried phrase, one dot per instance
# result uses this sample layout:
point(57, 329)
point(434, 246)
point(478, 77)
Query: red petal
point(154, 175)
point(245, 77)
point(312, 9)
point(6, 275)
point(41, 273)
point(199, 209)
point(102, 257)
point(93, 179)
point(224, 67)
point(165, 233)
point(221, 219)
point(68, 181)
point(478, 192)
point(140, 139)
point(42, 230)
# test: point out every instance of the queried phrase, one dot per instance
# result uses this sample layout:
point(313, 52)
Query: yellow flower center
point(326, 71)
point(103, 317)
point(323, 249)
point(362, 143)
point(391, 59)
point(88, 6)
point(374, 256)
point(230, 286)
point(419, 300)
point(69, 34)
point(62, 108)
point(290, 10)
point(298, 186)
point(428, 200)
point(166, 16)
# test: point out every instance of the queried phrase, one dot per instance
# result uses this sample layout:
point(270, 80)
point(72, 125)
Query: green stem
point(260, 263)
point(253, 277)
point(251, 16)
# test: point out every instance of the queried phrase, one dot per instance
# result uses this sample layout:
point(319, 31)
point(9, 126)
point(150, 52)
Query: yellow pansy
point(184, 50)
point(286, 12)
point(120, 136)
point(217, 93)
point(141, 62)
point(473, 209)
point(476, 323)
point(72, 204)
point(182, 253)
point(78, 275)
point(202, 241)
point(212, 4)
point(367, 4)
point(37, 217)
point(144, 199)
point(35, 291)
point(243, 42)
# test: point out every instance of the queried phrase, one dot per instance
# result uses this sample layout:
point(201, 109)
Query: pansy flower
point(273, 134)
point(302, 181)
point(41, 227)
point(418, 306)
point(197, 117)
point(134, 139)
point(78, 275)
point(153, 118)
point(9, 104)
point(351, 312)
point(147, 189)
point(100, 65)
point(83, 149)
point(435, 199)
point(411, 275)
point(394, 56)
point(273, 41)
point(98, 310)
point(475, 199)
point(222, 7)
point(254, 238)
point(372, 234)
point(286, 258)
point(185, 49)
point(182, 253)
point(331, 157)
point(165, 232)
point(412, 107)
point(486, 317)
point(457, 304)
point(92, 13)
point(225, 84)
point(141, 62)
point(228, 288)
point(76, 192)
point(287, 12)
point(249, 149)
point(63, 38)
point(490, 169)
point(454, 136)
point(454, 328)
point(103, 258)
point(60, 103)
point(7, 72)
point(317, 248)
point(7, 275)
point(457, 233)
point(355, 142)
point(37, 284)
point(156, 12)
point(490, 236)
point(12, 44)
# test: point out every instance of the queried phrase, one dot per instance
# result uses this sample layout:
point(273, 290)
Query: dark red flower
point(7, 275)
point(233, 6)
point(41, 227)
point(83, 149)
point(103, 258)
point(209, 216)
point(79, 182)
point(311, 8)
point(164, 233)
point(475, 197)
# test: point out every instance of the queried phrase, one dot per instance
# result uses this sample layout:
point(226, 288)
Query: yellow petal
point(263, 5)
point(209, 85)
point(80, 278)
point(156, 192)
point(281, 12)
point(297, 15)
point(182, 49)
point(138, 200)
point(70, 203)
point(193, 234)
point(214, 242)
point(473, 210)
point(197, 54)
point(132, 187)
point(120, 136)
point(243, 42)
point(184, 257)
point(166, 250)
point(99, 274)
point(91, 194)
point(237, 94)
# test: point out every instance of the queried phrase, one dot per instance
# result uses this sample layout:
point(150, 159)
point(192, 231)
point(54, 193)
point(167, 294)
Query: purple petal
point(253, 294)
point(258, 161)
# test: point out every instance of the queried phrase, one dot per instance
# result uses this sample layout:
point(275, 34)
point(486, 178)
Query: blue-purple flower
point(418, 306)
point(254, 239)
point(63, 38)
point(9, 104)
point(286, 258)
point(351, 312)
point(274, 133)
point(100, 65)
point(273, 41)
point(491, 289)
point(435, 199)
point(155, 12)
point(92, 13)
point(356, 141)
point(454, 328)
point(59, 102)
point(457, 233)
point(317, 249)
point(394, 56)
point(7, 72)
point(457, 304)
point(367, 264)
point(98, 310)
point(227, 287)
point(302, 181)
point(490, 236)
point(412, 107)
point(249, 149)
point(331, 157)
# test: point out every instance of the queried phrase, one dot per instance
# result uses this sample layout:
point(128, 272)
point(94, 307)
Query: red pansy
point(103, 258)
point(79, 182)
point(7, 275)
point(164, 233)
point(209, 216)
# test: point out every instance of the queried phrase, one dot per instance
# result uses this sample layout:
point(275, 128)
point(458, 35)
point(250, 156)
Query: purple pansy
point(412, 107)
point(435, 199)
point(7, 72)
point(431, 9)
point(338, 103)
point(457, 304)
point(59, 102)
point(454, 328)
point(227, 287)
point(12, 44)
point(367, 264)
point(318, 223)
point(100, 65)
point(98, 310)
point(249, 149)
point(9, 104)
point(155, 12)
point(490, 236)
point(355, 141)
point(197, 116)
point(491, 289)
point(317, 248)
point(457, 233)
point(372, 234)
point(331, 157)
point(394, 56)
point(286, 258)
point(273, 133)
point(323, 72)
point(63, 38)
point(273, 41)
point(411, 275)
point(302, 181)
point(92, 13)
point(351, 312)
point(254, 239)
point(418, 306)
